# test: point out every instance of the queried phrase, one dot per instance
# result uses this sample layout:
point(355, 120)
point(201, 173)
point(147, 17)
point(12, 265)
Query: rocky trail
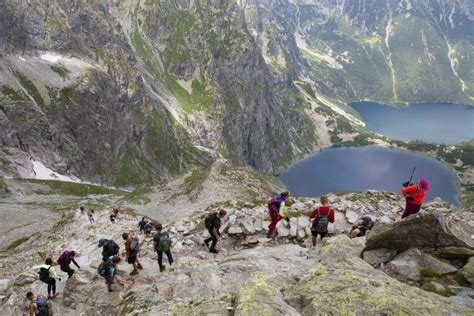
point(422, 265)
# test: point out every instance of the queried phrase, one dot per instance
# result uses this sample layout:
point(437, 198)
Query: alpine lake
point(358, 169)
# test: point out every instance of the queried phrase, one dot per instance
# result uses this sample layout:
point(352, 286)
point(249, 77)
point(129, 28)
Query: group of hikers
point(319, 220)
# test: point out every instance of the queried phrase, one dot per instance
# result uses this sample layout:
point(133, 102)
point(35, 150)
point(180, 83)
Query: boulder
point(293, 226)
point(258, 225)
point(468, 271)
point(235, 230)
point(352, 216)
point(385, 219)
point(303, 222)
point(248, 226)
point(359, 288)
point(301, 234)
point(25, 278)
point(4, 285)
point(428, 230)
point(454, 253)
point(265, 225)
point(283, 231)
point(414, 265)
point(378, 256)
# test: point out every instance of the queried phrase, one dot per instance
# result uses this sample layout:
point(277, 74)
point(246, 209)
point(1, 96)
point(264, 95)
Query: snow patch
point(44, 173)
point(51, 57)
point(21, 58)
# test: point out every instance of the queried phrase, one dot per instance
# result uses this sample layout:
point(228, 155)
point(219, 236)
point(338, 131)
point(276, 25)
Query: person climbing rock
point(320, 217)
point(162, 243)
point(213, 224)
point(414, 195)
point(109, 248)
point(65, 260)
point(141, 225)
point(132, 247)
point(276, 207)
point(362, 227)
point(90, 215)
point(108, 269)
point(38, 305)
point(47, 274)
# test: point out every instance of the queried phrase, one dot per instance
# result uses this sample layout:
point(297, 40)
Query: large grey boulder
point(414, 264)
point(378, 256)
point(468, 271)
point(426, 230)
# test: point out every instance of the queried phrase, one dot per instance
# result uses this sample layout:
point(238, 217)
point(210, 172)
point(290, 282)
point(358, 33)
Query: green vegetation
point(71, 188)
point(134, 169)
point(15, 244)
point(60, 70)
point(138, 196)
point(30, 88)
point(3, 187)
point(12, 94)
point(194, 182)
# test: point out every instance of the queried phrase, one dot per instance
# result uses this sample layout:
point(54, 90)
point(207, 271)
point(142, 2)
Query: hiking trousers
point(275, 219)
point(160, 258)
point(51, 286)
point(214, 240)
point(411, 208)
point(68, 270)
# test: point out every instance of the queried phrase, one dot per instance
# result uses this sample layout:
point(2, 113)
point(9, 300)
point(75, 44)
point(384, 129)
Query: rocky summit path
point(253, 275)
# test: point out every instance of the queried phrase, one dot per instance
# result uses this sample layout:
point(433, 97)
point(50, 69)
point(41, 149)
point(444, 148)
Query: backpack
point(273, 205)
point(135, 245)
point(110, 249)
point(321, 222)
point(44, 274)
point(64, 258)
point(41, 306)
point(209, 220)
point(103, 268)
point(164, 243)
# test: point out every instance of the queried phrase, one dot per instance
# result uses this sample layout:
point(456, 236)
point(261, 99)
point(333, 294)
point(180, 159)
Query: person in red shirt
point(320, 217)
point(414, 195)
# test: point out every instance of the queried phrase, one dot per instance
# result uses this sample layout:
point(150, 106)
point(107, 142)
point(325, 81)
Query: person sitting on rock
point(414, 195)
point(362, 227)
point(47, 274)
point(213, 224)
point(320, 217)
point(38, 305)
point(110, 273)
point(132, 247)
point(109, 248)
point(65, 260)
point(141, 225)
point(276, 206)
point(162, 243)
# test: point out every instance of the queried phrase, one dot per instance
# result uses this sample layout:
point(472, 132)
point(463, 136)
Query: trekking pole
point(412, 173)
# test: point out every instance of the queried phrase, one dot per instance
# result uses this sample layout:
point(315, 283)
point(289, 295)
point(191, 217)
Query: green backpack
point(165, 243)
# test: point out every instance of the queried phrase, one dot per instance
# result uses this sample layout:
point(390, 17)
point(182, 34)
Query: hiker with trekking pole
point(414, 194)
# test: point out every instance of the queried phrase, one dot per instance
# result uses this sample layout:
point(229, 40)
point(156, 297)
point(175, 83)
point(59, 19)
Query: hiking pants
point(160, 258)
point(275, 219)
point(411, 209)
point(214, 240)
point(68, 270)
point(51, 286)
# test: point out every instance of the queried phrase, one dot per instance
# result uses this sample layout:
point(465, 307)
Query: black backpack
point(44, 274)
point(110, 249)
point(209, 220)
point(103, 268)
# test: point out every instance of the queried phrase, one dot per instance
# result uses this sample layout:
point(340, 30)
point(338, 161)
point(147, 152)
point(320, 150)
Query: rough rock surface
point(378, 256)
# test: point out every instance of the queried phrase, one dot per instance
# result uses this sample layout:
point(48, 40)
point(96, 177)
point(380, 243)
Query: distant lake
point(359, 169)
point(431, 122)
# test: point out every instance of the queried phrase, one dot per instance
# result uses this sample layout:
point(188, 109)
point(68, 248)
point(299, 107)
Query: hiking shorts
point(316, 233)
point(132, 258)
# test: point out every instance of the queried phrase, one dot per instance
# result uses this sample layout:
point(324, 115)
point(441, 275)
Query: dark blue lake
point(431, 122)
point(359, 169)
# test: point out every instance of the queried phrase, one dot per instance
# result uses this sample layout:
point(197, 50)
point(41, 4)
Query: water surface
point(431, 122)
point(359, 169)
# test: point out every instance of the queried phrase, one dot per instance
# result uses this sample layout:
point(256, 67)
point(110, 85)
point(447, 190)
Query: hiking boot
point(110, 290)
point(162, 269)
point(140, 267)
point(206, 242)
point(134, 272)
point(214, 250)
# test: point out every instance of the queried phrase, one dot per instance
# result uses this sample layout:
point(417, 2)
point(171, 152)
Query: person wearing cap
point(109, 248)
point(414, 196)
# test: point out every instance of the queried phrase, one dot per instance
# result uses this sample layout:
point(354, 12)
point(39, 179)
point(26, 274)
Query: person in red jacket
point(320, 217)
point(414, 195)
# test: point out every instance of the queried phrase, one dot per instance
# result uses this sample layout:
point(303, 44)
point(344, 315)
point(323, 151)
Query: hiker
point(109, 248)
point(320, 217)
point(108, 269)
point(162, 243)
point(362, 227)
point(65, 260)
point(90, 215)
point(141, 225)
point(38, 305)
point(213, 223)
point(148, 228)
point(116, 212)
point(414, 195)
point(132, 247)
point(112, 218)
point(82, 209)
point(276, 207)
point(47, 274)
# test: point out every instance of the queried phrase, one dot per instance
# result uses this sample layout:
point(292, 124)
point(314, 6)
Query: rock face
point(378, 256)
